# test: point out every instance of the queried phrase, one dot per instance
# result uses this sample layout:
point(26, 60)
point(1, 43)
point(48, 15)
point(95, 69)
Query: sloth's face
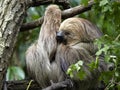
point(76, 30)
point(70, 31)
point(66, 37)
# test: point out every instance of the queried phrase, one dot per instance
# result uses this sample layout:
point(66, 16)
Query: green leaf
point(80, 62)
point(81, 74)
point(117, 74)
point(104, 49)
point(94, 64)
point(85, 2)
point(106, 76)
point(78, 65)
point(118, 86)
point(15, 73)
point(69, 71)
point(105, 9)
point(103, 2)
point(75, 69)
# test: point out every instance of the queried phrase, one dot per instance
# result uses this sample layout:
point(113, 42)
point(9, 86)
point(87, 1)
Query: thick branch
point(65, 14)
point(33, 3)
point(31, 25)
point(23, 84)
point(76, 10)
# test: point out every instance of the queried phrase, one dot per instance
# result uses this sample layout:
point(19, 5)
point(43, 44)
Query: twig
point(29, 84)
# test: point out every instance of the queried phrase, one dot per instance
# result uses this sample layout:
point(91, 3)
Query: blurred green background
point(105, 14)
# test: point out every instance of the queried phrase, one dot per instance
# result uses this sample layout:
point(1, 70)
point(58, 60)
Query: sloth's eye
point(67, 33)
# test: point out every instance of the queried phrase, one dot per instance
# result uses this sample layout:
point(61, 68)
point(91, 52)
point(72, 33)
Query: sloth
point(62, 44)
point(40, 60)
point(76, 38)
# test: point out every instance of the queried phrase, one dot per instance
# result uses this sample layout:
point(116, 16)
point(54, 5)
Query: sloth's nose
point(60, 36)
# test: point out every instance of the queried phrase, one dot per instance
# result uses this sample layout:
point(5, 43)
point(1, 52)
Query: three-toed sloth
point(61, 44)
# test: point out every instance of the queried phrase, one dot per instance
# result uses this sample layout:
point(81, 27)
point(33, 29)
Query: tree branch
point(65, 14)
point(76, 10)
point(23, 84)
point(31, 25)
point(33, 3)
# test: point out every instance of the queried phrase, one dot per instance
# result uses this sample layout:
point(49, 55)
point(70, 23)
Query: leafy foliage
point(110, 10)
point(106, 14)
point(75, 70)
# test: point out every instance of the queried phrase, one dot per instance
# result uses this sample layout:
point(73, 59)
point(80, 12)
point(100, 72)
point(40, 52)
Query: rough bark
point(12, 13)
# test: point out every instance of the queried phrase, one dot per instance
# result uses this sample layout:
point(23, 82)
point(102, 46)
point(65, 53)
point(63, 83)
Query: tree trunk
point(12, 13)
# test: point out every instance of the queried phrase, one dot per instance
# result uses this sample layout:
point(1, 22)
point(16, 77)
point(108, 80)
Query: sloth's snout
point(60, 36)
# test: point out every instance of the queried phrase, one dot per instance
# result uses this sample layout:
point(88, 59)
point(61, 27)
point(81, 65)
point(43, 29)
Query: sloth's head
point(76, 30)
